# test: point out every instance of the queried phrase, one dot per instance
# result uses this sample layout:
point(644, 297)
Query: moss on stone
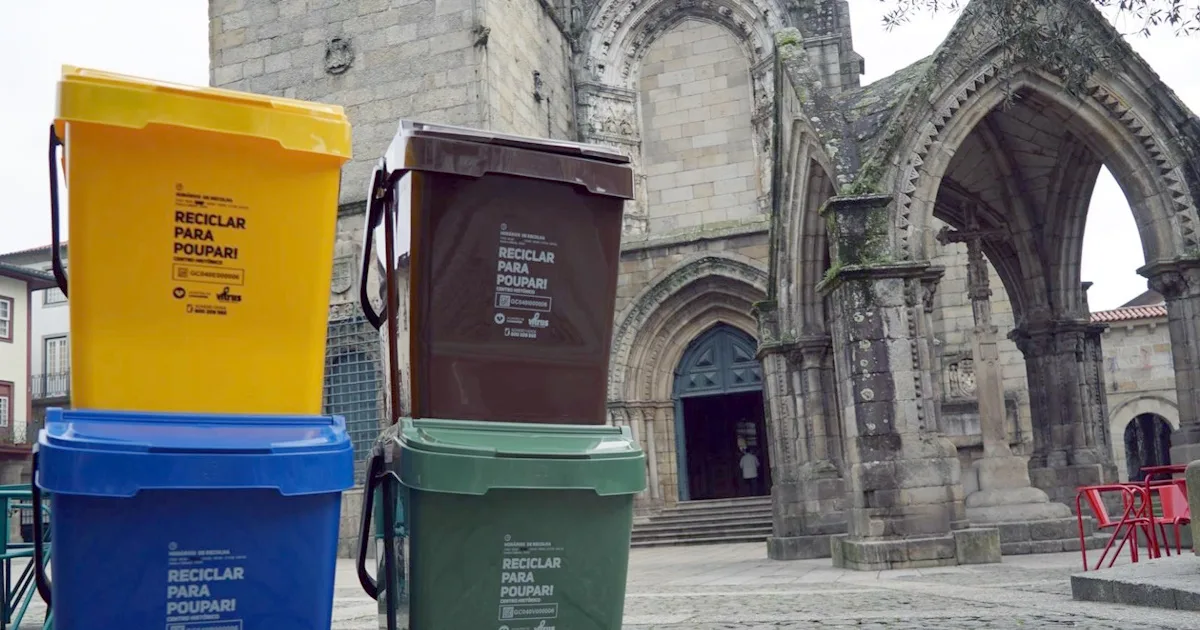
point(789, 37)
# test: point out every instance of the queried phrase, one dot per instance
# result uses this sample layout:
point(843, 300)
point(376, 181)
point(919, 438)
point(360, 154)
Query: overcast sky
point(168, 40)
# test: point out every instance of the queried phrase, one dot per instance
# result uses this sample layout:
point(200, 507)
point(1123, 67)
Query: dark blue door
point(720, 361)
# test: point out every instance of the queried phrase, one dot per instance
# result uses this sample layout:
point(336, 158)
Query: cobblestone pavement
point(735, 587)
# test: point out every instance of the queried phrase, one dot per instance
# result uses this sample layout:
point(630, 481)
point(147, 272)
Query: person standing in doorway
point(749, 465)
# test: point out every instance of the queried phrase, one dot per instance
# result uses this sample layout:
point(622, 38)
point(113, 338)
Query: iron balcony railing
point(51, 386)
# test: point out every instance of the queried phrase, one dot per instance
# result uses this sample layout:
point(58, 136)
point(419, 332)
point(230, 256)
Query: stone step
point(706, 522)
point(703, 532)
point(685, 517)
point(702, 526)
point(708, 504)
point(750, 537)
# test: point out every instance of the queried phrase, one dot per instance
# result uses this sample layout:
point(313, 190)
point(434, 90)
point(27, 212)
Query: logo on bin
point(178, 292)
point(226, 296)
point(537, 322)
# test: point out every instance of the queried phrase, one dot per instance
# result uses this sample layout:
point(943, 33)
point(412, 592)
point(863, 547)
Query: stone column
point(668, 472)
point(808, 493)
point(1179, 284)
point(643, 418)
point(624, 414)
point(1005, 493)
point(1066, 452)
point(905, 495)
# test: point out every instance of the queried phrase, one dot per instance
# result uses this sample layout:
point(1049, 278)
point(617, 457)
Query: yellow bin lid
point(94, 96)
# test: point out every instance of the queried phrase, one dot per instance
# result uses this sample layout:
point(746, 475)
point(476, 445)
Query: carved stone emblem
point(343, 274)
point(339, 55)
point(611, 117)
point(960, 378)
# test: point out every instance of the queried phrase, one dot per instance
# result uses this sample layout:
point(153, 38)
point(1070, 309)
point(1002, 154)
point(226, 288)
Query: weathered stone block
point(1013, 532)
point(1016, 548)
point(799, 547)
point(1047, 546)
point(877, 449)
point(860, 229)
point(932, 549)
point(977, 545)
point(1058, 529)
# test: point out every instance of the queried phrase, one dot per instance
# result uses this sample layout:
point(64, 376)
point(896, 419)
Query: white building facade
point(49, 334)
point(17, 288)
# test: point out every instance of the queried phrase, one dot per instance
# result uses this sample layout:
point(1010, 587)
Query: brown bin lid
point(420, 146)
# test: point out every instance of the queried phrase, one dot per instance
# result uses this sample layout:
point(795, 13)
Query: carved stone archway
point(1039, 254)
point(651, 335)
point(1123, 414)
point(1161, 199)
point(652, 332)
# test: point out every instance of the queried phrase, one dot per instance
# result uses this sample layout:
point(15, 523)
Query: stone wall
point(380, 59)
point(524, 39)
point(696, 108)
point(1140, 378)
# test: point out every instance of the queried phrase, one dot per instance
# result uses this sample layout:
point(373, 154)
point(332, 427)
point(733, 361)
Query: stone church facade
point(878, 287)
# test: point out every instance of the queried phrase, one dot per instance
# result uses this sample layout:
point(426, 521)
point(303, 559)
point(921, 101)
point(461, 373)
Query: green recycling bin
point(515, 526)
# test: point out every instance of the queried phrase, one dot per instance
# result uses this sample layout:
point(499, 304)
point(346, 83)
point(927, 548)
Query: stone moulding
point(619, 31)
point(631, 322)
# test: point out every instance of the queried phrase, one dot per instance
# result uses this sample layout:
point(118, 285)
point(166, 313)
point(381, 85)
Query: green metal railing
point(19, 593)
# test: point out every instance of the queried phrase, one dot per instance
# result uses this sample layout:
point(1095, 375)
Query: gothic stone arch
point(806, 184)
point(652, 333)
point(617, 37)
point(1130, 131)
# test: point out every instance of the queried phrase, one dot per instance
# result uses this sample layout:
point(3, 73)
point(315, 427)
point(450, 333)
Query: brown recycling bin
point(513, 245)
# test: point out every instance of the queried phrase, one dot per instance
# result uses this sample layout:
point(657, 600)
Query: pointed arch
point(807, 183)
point(1112, 121)
point(652, 333)
point(619, 31)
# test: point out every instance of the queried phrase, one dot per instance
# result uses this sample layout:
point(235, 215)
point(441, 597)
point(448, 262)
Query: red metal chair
point(1172, 497)
point(1135, 515)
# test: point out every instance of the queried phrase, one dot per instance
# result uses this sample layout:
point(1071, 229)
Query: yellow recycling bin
point(202, 226)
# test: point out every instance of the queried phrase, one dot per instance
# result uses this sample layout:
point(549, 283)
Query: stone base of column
point(806, 513)
point(1061, 483)
point(964, 546)
point(1028, 521)
point(1047, 536)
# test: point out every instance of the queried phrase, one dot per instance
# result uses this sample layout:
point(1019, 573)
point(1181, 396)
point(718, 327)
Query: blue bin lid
point(118, 454)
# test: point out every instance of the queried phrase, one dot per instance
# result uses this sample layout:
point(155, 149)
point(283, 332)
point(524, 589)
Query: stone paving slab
point(1171, 583)
point(735, 587)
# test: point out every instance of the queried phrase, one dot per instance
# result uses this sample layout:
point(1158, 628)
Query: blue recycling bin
point(192, 522)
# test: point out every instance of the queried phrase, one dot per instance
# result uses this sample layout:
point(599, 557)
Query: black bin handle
point(365, 579)
point(39, 554)
point(375, 475)
point(377, 195)
point(60, 274)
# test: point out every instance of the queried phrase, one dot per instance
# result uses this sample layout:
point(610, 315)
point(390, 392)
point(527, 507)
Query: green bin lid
point(467, 457)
